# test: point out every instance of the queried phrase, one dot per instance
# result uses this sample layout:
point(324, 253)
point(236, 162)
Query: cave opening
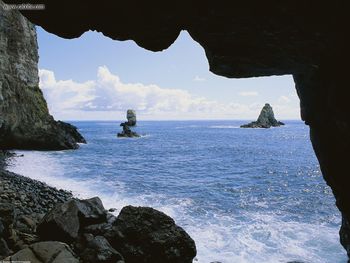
point(249, 39)
point(262, 190)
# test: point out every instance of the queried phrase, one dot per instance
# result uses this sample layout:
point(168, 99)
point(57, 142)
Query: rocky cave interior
point(242, 39)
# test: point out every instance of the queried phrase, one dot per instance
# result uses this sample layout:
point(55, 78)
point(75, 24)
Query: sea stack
point(127, 132)
point(266, 119)
point(131, 116)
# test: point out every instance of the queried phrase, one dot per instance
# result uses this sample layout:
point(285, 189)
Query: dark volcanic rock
point(344, 234)
point(240, 38)
point(4, 249)
point(65, 220)
point(45, 252)
point(266, 119)
point(98, 250)
point(25, 122)
point(23, 202)
point(143, 234)
point(7, 214)
point(131, 116)
point(2, 228)
point(127, 132)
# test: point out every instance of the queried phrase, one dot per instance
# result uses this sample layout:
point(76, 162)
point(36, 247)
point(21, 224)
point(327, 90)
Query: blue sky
point(94, 77)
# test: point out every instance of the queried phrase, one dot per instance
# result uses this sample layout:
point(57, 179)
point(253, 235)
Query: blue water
point(244, 195)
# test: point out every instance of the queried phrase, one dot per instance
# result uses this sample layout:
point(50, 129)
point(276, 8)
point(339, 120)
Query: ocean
point(243, 195)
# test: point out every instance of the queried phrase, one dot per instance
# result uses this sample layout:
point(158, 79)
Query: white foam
point(223, 127)
point(136, 138)
point(46, 168)
point(266, 238)
point(243, 238)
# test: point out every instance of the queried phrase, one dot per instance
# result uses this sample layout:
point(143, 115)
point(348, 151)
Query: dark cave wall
point(241, 38)
point(324, 107)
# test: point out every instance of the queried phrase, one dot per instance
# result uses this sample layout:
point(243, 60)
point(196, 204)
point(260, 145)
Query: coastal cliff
point(25, 122)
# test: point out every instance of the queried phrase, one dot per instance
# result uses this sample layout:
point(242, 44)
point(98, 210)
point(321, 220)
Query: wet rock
point(29, 222)
point(127, 132)
point(2, 228)
point(344, 234)
point(266, 119)
point(23, 202)
point(7, 214)
point(98, 249)
point(143, 234)
point(4, 249)
point(64, 221)
point(45, 252)
point(131, 116)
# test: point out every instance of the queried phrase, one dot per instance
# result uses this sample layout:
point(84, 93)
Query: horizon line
point(118, 120)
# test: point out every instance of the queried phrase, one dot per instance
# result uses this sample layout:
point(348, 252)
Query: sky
point(96, 78)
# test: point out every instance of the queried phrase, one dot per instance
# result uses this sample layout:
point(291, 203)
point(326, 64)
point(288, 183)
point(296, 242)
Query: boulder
point(7, 214)
point(131, 116)
point(98, 249)
point(64, 221)
point(4, 249)
point(266, 119)
point(145, 235)
point(45, 252)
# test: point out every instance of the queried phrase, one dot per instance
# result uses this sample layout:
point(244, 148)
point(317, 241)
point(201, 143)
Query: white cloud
point(109, 93)
point(248, 93)
point(108, 97)
point(284, 99)
point(198, 78)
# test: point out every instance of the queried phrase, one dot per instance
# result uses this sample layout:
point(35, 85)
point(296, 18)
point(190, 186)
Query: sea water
point(244, 195)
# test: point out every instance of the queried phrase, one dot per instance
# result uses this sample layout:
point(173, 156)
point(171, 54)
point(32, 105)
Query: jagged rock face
point(25, 122)
point(131, 116)
point(64, 221)
point(266, 119)
point(240, 38)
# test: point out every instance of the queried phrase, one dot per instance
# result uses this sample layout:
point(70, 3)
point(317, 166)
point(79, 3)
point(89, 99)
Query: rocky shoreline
point(43, 224)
